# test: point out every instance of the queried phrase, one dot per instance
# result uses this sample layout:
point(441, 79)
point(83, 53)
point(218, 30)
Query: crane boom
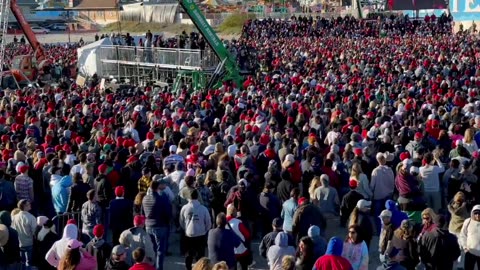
point(198, 19)
point(27, 30)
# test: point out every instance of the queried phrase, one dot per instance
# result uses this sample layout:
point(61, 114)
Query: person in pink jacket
point(77, 258)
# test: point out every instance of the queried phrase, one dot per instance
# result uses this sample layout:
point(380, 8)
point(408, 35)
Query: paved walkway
point(176, 262)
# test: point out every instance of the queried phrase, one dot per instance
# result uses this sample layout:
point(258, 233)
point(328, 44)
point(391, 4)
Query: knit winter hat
point(98, 231)
point(119, 191)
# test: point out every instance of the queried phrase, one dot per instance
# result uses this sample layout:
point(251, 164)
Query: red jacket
point(142, 266)
point(331, 262)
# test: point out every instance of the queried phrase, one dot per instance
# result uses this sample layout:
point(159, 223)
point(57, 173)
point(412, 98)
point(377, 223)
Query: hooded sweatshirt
point(470, 235)
point(100, 250)
point(60, 247)
point(333, 260)
point(278, 251)
point(60, 193)
point(319, 243)
point(137, 237)
point(397, 215)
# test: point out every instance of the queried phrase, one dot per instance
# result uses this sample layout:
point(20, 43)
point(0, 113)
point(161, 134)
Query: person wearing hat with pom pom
point(98, 246)
point(121, 213)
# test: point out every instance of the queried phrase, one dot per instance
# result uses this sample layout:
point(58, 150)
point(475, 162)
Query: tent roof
point(96, 5)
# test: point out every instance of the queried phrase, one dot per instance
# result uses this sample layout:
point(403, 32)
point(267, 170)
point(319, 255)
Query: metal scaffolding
point(4, 13)
point(140, 65)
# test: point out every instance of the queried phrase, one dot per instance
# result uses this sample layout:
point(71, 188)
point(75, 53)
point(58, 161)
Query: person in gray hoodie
point(281, 249)
point(319, 243)
point(196, 222)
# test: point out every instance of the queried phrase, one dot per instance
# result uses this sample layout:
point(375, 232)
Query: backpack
point(101, 253)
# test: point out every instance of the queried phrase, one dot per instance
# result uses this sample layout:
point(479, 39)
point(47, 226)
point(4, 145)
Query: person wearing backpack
point(196, 222)
point(98, 247)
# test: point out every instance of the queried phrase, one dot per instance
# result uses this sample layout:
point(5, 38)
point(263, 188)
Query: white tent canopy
point(89, 57)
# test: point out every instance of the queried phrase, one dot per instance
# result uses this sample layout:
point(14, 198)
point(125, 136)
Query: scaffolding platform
point(139, 64)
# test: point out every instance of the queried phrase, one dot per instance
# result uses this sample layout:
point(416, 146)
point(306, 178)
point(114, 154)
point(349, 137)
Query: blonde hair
point(429, 212)
point(210, 176)
point(313, 185)
point(288, 263)
point(231, 210)
point(468, 138)
point(459, 197)
point(356, 170)
point(220, 266)
point(203, 264)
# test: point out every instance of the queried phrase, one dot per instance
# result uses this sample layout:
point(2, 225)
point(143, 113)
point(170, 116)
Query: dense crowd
point(371, 125)
point(62, 56)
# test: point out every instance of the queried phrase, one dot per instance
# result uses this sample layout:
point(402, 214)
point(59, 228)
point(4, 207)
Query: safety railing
point(60, 220)
point(193, 59)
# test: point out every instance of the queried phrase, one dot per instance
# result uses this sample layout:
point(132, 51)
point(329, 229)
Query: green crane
point(228, 68)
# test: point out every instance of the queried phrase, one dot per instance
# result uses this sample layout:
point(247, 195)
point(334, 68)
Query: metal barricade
point(60, 221)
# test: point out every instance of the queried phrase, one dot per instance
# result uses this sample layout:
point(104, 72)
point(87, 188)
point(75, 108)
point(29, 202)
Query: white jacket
point(470, 234)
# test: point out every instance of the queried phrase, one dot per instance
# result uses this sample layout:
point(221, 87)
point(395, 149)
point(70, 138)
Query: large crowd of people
point(369, 125)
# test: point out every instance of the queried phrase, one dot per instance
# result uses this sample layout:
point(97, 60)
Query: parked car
point(40, 30)
point(58, 27)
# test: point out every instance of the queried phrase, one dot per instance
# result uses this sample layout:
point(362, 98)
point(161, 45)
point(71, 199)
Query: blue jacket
point(60, 193)
point(288, 210)
point(397, 215)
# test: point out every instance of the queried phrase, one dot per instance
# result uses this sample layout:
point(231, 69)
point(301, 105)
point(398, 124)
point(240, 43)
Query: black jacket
point(366, 226)
point(270, 206)
point(104, 190)
point(283, 189)
point(306, 216)
point(111, 265)
point(78, 195)
point(121, 213)
point(438, 249)
point(349, 202)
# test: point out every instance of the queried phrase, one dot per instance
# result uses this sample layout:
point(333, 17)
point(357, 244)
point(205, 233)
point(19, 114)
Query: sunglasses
point(426, 218)
point(352, 232)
